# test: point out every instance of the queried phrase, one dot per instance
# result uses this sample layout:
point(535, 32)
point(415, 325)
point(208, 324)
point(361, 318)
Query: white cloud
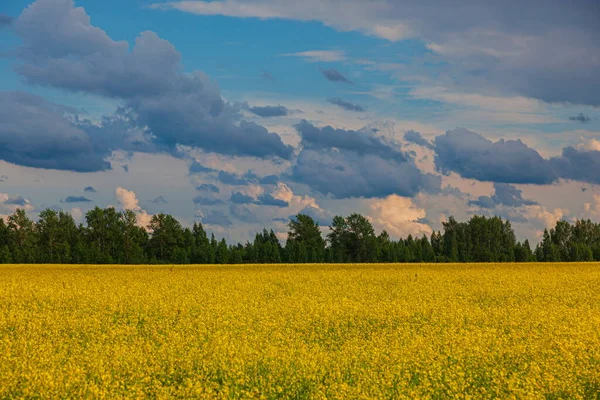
point(129, 201)
point(399, 217)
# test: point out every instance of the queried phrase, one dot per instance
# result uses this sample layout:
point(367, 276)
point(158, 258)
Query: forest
point(114, 237)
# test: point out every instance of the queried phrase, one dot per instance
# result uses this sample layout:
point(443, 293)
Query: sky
point(242, 113)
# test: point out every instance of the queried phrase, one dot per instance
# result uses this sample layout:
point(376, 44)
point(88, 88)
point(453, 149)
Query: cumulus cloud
point(356, 164)
point(129, 201)
point(270, 111)
point(76, 199)
point(581, 117)
point(334, 75)
point(578, 165)
point(36, 133)
point(197, 168)
point(418, 139)
point(61, 49)
point(506, 161)
point(346, 105)
point(399, 217)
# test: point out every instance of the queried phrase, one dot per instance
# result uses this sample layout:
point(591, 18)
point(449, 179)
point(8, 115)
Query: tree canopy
point(111, 236)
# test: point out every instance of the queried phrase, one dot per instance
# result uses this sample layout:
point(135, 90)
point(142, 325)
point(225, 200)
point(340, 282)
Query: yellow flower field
point(300, 331)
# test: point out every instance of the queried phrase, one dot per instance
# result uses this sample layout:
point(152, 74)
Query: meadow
point(300, 331)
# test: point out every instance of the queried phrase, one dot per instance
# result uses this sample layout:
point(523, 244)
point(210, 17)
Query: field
point(303, 331)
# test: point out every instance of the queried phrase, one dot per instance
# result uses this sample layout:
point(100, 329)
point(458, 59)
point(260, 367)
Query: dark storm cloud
point(506, 161)
point(581, 117)
point(270, 111)
point(89, 189)
point(334, 75)
point(76, 199)
point(346, 163)
point(61, 49)
point(416, 138)
point(346, 105)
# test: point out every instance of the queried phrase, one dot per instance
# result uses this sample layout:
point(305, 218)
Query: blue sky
point(302, 107)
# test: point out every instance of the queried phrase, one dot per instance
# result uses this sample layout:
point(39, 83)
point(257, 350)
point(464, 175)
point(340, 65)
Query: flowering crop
point(300, 331)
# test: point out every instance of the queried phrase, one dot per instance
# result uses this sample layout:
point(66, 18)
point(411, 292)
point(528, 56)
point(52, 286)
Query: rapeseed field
point(300, 331)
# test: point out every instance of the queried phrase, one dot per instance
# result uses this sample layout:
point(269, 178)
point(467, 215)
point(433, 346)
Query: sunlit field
point(303, 331)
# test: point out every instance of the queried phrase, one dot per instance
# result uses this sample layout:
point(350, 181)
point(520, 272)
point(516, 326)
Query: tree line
point(114, 237)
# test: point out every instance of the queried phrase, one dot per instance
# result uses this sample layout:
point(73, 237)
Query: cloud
point(36, 133)
point(89, 189)
point(267, 199)
point(129, 201)
point(5, 20)
point(229, 178)
point(240, 198)
point(346, 163)
point(346, 105)
point(320, 55)
point(399, 217)
point(504, 195)
point(269, 180)
point(197, 168)
point(243, 214)
point(159, 200)
point(416, 138)
point(270, 111)
point(61, 49)
point(217, 218)
point(334, 75)
point(206, 201)
point(578, 165)
point(207, 187)
point(487, 46)
point(362, 142)
point(16, 201)
point(263, 199)
point(581, 117)
point(506, 161)
point(9, 204)
point(76, 199)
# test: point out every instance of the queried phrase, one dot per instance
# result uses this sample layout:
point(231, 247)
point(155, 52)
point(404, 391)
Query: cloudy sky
point(241, 113)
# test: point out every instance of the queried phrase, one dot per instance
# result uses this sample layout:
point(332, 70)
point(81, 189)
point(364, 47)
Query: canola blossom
point(300, 331)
